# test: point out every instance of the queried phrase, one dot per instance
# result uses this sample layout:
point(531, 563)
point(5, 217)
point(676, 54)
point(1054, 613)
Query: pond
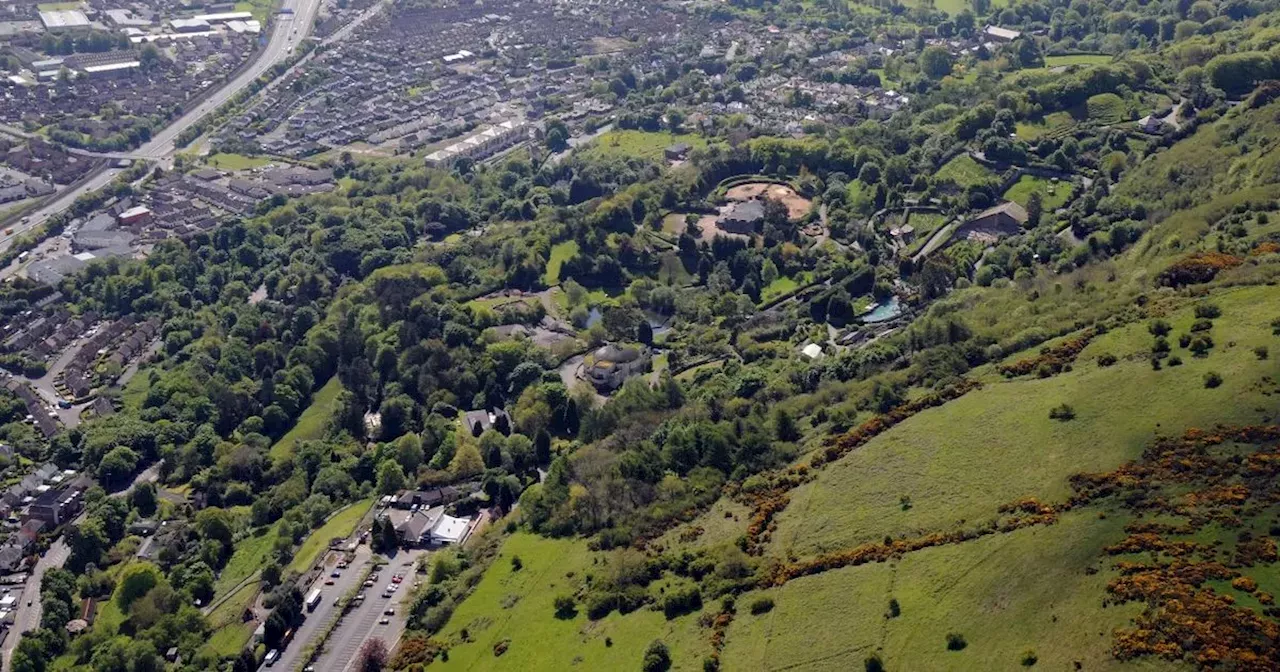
point(594, 317)
point(884, 312)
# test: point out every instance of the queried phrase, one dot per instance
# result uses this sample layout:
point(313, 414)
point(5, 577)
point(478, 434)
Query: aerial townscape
point(690, 335)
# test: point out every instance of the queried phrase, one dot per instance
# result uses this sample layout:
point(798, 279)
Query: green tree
point(935, 61)
point(391, 477)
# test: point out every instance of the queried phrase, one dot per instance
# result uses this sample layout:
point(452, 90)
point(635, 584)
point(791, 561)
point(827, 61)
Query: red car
point(396, 578)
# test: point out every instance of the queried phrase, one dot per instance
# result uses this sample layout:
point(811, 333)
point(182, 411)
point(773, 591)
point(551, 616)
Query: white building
point(62, 20)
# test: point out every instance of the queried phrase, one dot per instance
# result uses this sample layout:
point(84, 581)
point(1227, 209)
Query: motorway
point(290, 30)
point(291, 656)
point(361, 623)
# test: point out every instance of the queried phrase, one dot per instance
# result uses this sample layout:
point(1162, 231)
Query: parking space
point(370, 619)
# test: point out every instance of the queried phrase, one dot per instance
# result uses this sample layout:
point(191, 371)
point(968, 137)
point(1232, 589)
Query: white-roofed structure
point(111, 68)
point(480, 145)
point(1001, 34)
point(225, 16)
point(64, 19)
point(450, 530)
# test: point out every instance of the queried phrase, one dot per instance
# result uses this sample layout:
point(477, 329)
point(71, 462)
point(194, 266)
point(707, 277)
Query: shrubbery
point(1212, 379)
point(956, 641)
point(761, 606)
point(1062, 412)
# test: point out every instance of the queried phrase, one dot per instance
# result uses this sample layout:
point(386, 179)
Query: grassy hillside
point(517, 606)
point(960, 461)
point(1006, 594)
point(313, 421)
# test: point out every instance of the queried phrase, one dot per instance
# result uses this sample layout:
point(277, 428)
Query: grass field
point(236, 161)
point(954, 7)
point(1005, 593)
point(640, 144)
point(261, 9)
point(560, 253)
point(250, 555)
point(341, 524)
point(1055, 123)
point(1029, 184)
point(960, 461)
point(312, 423)
point(925, 225)
point(135, 391)
point(1076, 59)
point(518, 606)
point(784, 285)
point(1106, 108)
point(964, 171)
point(230, 634)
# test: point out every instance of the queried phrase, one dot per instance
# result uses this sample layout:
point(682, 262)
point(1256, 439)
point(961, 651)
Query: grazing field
point(518, 606)
point(236, 161)
point(1006, 594)
point(1052, 195)
point(960, 461)
point(342, 524)
point(560, 253)
point(312, 423)
point(634, 144)
point(964, 171)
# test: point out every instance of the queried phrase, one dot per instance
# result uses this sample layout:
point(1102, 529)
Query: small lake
point(594, 317)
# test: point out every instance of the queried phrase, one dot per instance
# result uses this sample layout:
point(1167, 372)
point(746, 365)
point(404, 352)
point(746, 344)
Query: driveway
point(361, 623)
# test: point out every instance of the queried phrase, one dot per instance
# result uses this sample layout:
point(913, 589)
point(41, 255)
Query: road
point(290, 30)
point(27, 616)
point(361, 623)
point(318, 619)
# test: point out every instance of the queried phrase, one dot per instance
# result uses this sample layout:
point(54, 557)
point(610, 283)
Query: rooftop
point(64, 18)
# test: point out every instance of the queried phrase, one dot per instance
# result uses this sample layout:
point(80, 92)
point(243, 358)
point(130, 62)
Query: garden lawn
point(1026, 185)
point(518, 606)
point(960, 461)
point(312, 423)
point(784, 285)
point(342, 524)
point(964, 171)
point(640, 144)
point(1005, 593)
point(560, 253)
point(236, 161)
